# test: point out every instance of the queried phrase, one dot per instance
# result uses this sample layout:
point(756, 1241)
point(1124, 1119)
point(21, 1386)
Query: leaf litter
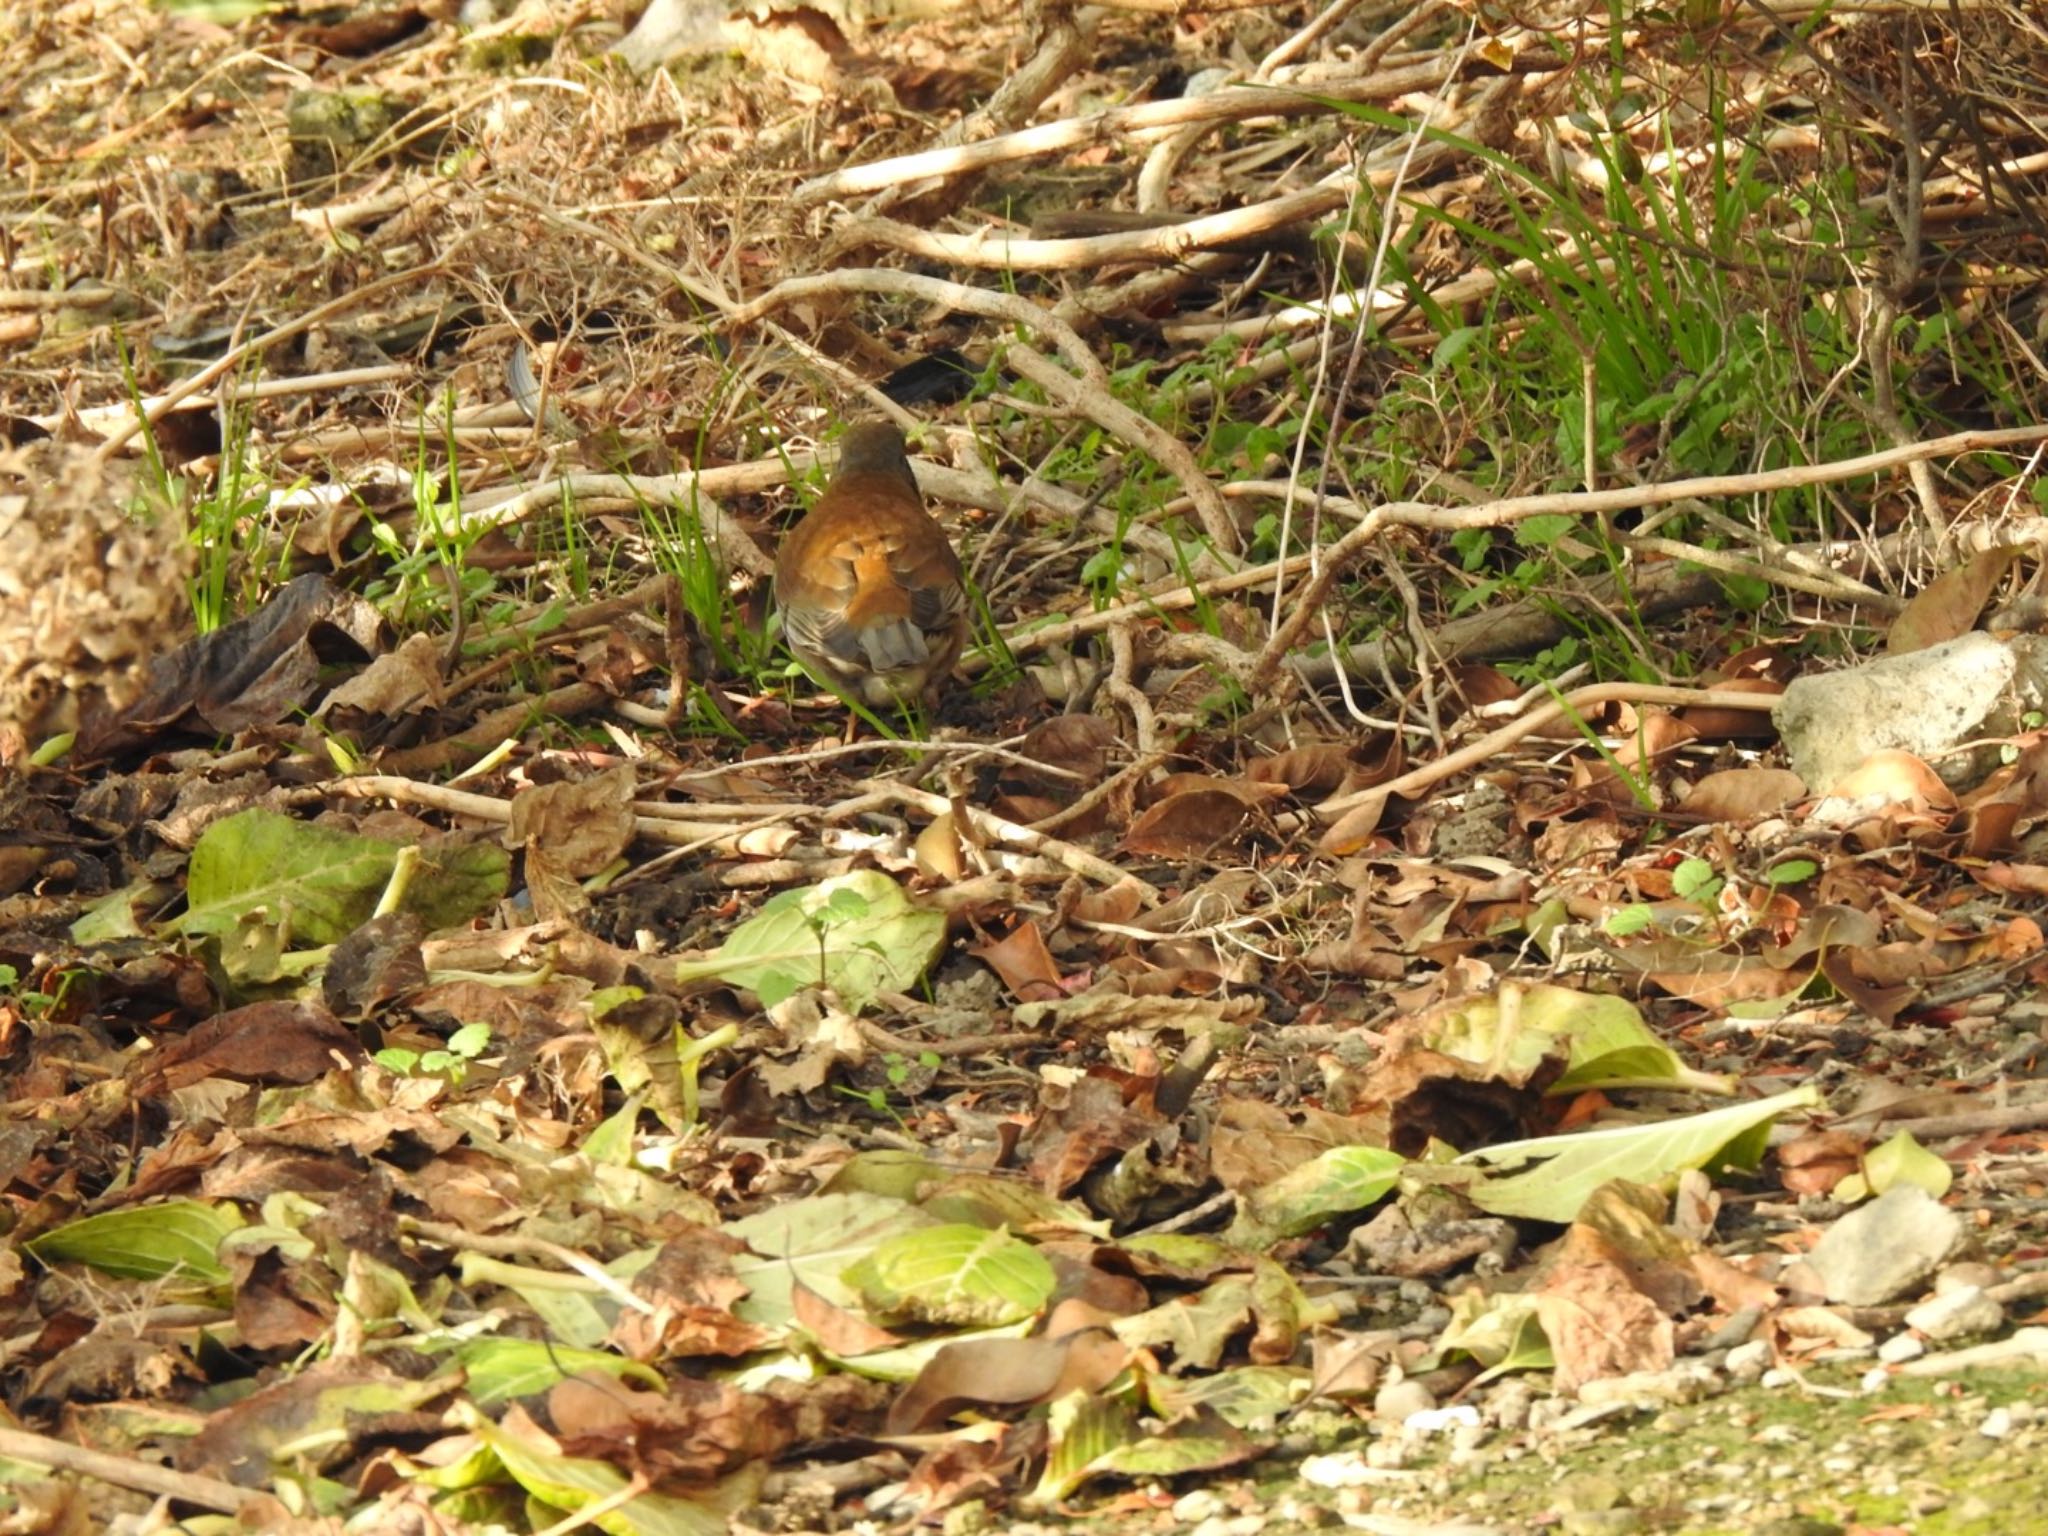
point(472, 1056)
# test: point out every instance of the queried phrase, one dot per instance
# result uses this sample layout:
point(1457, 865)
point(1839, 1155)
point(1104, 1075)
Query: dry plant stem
point(961, 1045)
point(57, 298)
point(1833, 588)
point(663, 828)
point(1163, 243)
point(260, 389)
point(496, 728)
point(1119, 686)
point(1063, 47)
point(971, 750)
point(1089, 307)
point(236, 355)
point(994, 829)
point(1513, 509)
point(1090, 396)
point(1101, 794)
point(1007, 307)
point(1234, 105)
point(1577, 702)
point(1976, 1122)
point(511, 1246)
point(127, 1472)
point(1312, 33)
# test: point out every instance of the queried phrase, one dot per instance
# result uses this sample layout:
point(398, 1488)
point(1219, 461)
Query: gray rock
point(1885, 1249)
point(1923, 702)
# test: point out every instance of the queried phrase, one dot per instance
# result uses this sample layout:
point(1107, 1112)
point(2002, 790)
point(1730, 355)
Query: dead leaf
point(1948, 605)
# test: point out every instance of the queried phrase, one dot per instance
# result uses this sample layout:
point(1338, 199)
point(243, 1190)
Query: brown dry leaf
point(569, 831)
point(1894, 780)
point(1254, 1142)
point(1120, 904)
point(693, 1432)
point(274, 1042)
point(940, 855)
point(1830, 1155)
point(1714, 979)
point(1948, 605)
point(280, 1304)
point(254, 671)
point(1092, 1126)
point(2017, 879)
point(1598, 1323)
point(237, 1441)
point(1731, 1287)
point(1006, 1373)
point(1743, 794)
point(1204, 822)
point(107, 1366)
point(1716, 724)
point(377, 964)
point(1482, 686)
point(404, 681)
point(1350, 1365)
point(1318, 768)
point(1353, 831)
point(1814, 1330)
point(1658, 735)
point(843, 1333)
point(692, 1286)
point(1021, 959)
point(1077, 747)
point(1882, 1003)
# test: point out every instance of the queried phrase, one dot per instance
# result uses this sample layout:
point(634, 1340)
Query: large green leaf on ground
point(177, 1240)
point(1559, 1173)
point(963, 1276)
point(858, 934)
point(322, 883)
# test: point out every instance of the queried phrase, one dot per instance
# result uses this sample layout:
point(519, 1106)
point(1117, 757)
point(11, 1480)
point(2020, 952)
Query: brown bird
point(869, 586)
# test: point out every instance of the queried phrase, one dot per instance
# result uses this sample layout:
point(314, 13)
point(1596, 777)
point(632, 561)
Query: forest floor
point(1345, 1011)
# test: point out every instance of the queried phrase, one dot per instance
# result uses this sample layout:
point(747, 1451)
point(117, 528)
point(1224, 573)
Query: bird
point(869, 587)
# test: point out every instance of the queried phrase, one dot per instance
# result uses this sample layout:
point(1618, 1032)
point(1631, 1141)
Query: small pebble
point(1197, 1504)
point(1900, 1348)
point(1747, 1362)
point(1957, 1315)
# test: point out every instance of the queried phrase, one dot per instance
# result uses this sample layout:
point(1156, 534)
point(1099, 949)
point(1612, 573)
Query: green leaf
point(177, 1239)
point(1559, 1173)
point(858, 934)
point(576, 1483)
point(1332, 1183)
point(1695, 880)
point(813, 1240)
point(1902, 1160)
point(506, 1368)
point(323, 884)
point(955, 1274)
